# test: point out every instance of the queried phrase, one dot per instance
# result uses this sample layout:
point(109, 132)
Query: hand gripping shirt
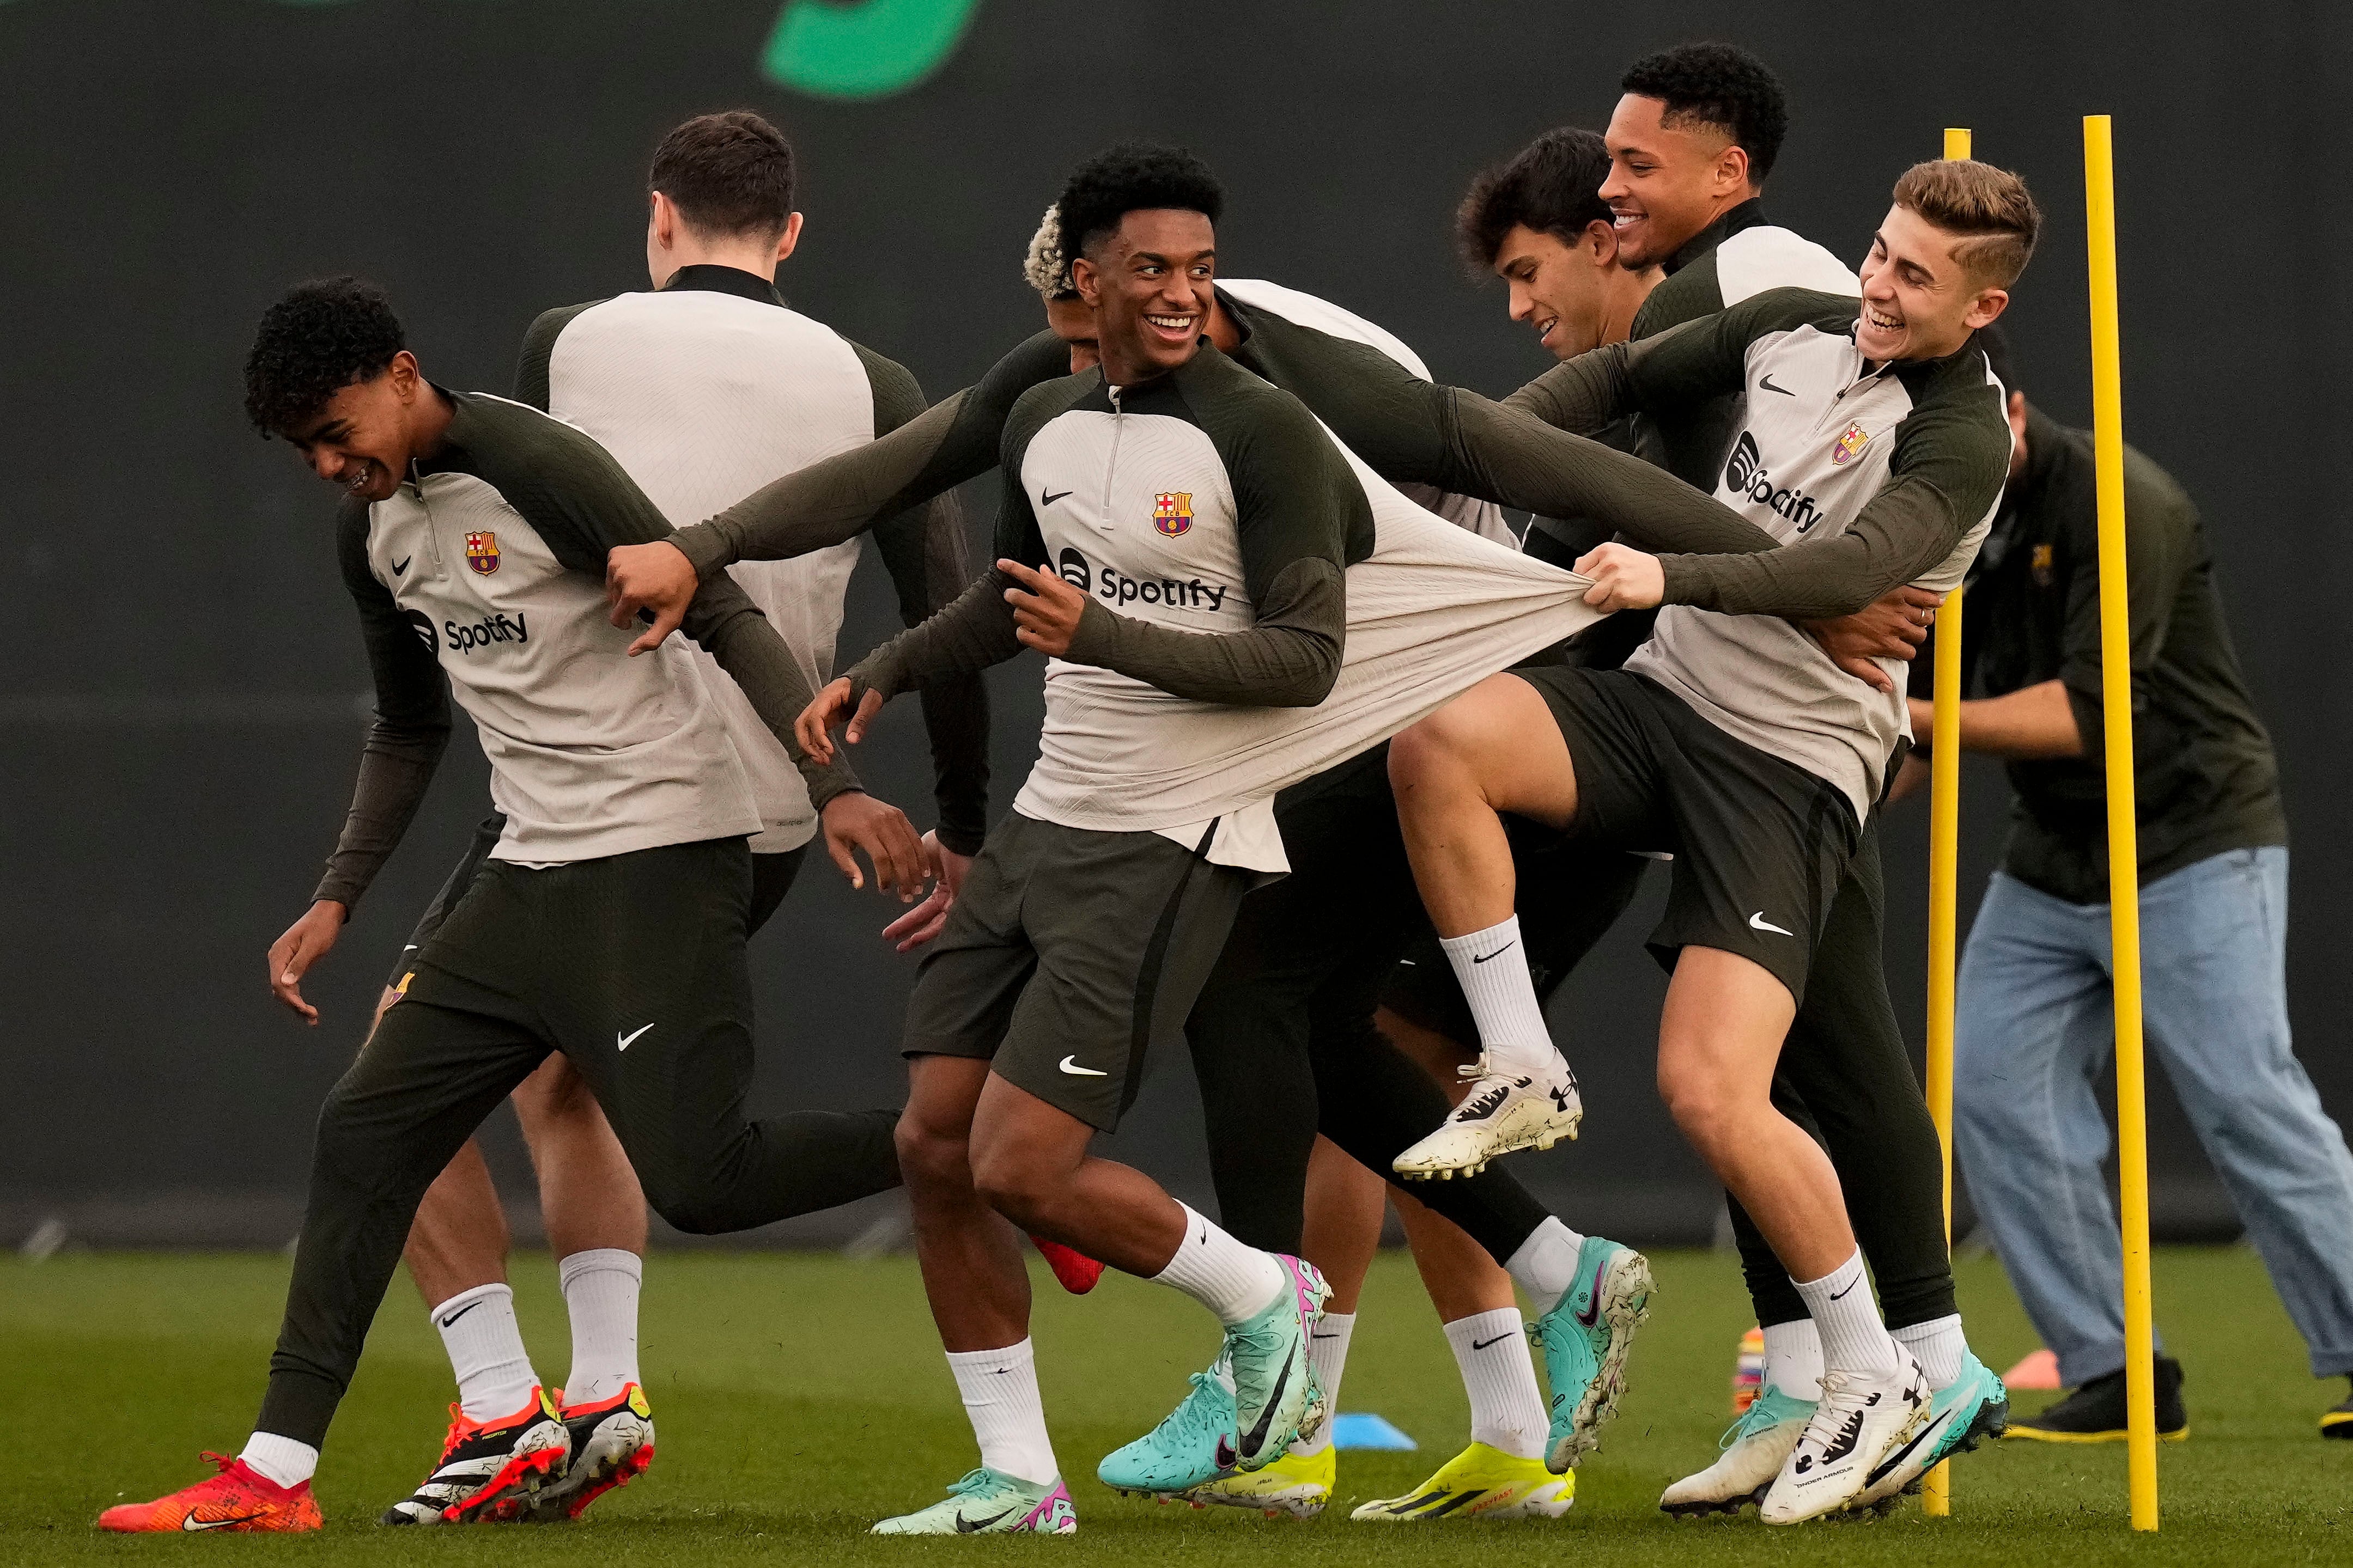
point(1890, 473)
point(707, 389)
point(1261, 604)
point(487, 563)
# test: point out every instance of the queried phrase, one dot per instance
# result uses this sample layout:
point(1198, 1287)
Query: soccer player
point(1733, 740)
point(1688, 151)
point(2033, 1027)
point(608, 921)
point(1095, 911)
point(701, 389)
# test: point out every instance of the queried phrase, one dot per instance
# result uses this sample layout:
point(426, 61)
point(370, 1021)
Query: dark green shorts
point(1067, 950)
point(1760, 844)
point(772, 879)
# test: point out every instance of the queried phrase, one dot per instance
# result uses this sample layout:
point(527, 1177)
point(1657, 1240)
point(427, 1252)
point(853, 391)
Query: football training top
point(486, 567)
point(1890, 473)
point(706, 389)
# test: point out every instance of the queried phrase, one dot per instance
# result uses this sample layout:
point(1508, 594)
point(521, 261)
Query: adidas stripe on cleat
point(491, 1471)
point(1480, 1482)
point(239, 1500)
point(612, 1445)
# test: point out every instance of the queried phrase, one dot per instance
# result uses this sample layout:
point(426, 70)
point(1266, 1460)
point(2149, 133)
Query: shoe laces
point(460, 1428)
point(974, 1480)
point(1194, 1415)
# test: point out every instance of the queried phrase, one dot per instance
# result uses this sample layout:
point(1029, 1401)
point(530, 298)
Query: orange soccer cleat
point(239, 1498)
point(1077, 1271)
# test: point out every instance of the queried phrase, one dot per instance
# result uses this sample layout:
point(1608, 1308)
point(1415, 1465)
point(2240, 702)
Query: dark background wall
point(180, 714)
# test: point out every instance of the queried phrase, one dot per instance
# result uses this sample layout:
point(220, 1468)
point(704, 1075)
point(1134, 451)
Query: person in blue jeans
point(2035, 1026)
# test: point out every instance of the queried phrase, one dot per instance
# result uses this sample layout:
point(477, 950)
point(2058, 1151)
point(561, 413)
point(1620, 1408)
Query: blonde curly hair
point(1044, 268)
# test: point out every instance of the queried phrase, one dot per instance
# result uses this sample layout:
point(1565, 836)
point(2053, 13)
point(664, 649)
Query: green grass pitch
point(800, 1397)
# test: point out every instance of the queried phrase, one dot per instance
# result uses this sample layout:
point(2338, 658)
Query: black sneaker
point(2337, 1421)
point(2096, 1412)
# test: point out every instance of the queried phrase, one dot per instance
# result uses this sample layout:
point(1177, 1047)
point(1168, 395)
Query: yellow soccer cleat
point(1296, 1484)
point(1480, 1482)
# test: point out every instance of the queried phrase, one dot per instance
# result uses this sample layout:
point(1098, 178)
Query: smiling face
point(1667, 182)
point(1148, 284)
point(366, 434)
point(1564, 291)
point(1919, 300)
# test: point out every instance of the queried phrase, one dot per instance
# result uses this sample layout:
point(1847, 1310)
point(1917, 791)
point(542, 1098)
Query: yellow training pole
point(1944, 902)
point(2124, 842)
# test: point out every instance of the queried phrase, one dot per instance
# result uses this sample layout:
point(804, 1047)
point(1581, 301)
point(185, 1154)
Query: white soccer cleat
point(1505, 1111)
point(1755, 1449)
point(1862, 1417)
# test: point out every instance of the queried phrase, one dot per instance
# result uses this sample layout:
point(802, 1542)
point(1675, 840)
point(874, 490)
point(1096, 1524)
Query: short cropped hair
point(1990, 207)
point(321, 337)
point(1722, 86)
point(1132, 177)
point(730, 175)
point(1552, 185)
point(1044, 266)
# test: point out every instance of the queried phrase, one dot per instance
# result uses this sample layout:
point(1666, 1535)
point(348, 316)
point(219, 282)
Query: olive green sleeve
point(406, 733)
point(839, 497)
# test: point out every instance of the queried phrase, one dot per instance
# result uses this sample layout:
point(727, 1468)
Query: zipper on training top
point(1111, 464)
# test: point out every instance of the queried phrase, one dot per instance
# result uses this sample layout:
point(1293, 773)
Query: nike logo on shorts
point(626, 1041)
point(1070, 1065)
point(1758, 923)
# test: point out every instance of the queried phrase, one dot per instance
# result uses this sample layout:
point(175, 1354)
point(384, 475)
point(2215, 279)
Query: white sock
point(1546, 1264)
point(600, 1288)
point(1001, 1395)
point(1234, 1282)
point(1847, 1317)
point(1507, 1413)
point(1327, 1352)
point(1493, 967)
point(1793, 1358)
point(1938, 1346)
point(478, 1329)
point(281, 1459)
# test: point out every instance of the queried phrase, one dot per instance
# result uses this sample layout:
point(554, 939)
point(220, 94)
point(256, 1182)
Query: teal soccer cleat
point(1195, 1445)
point(1971, 1408)
point(1584, 1340)
point(1276, 1394)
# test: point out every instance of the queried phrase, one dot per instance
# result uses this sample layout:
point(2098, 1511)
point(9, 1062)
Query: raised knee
point(929, 1155)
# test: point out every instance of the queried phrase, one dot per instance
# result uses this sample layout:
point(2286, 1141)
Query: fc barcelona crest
point(1172, 511)
point(1855, 439)
point(482, 553)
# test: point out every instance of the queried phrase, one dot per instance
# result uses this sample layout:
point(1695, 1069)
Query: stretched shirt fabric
point(1261, 604)
point(1874, 475)
point(707, 389)
point(485, 568)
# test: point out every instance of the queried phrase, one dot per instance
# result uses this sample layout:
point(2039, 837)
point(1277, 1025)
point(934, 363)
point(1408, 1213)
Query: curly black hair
point(1719, 85)
point(1552, 185)
point(320, 338)
point(1128, 178)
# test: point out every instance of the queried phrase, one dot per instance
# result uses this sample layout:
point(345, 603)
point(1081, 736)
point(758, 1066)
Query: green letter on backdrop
point(868, 49)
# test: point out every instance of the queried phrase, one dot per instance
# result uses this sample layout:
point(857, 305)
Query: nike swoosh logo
point(969, 1526)
point(402, 564)
point(630, 1038)
point(1887, 1467)
point(1842, 1295)
point(1070, 1065)
point(1323, 1336)
point(459, 1313)
point(1590, 1313)
point(1483, 1345)
point(191, 1522)
point(1484, 957)
point(1758, 923)
point(1767, 384)
point(1048, 498)
point(1258, 1433)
